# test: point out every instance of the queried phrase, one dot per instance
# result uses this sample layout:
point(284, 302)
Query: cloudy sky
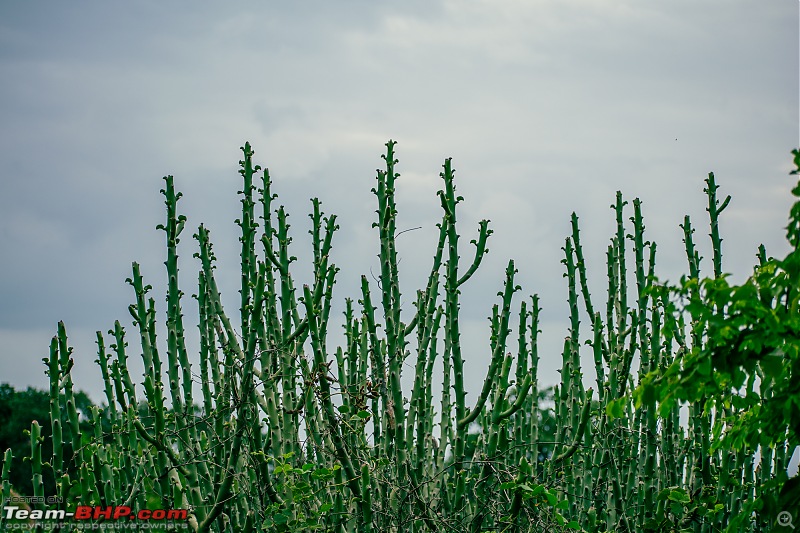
point(545, 106)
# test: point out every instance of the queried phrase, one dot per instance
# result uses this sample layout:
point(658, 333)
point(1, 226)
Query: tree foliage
point(751, 333)
point(18, 409)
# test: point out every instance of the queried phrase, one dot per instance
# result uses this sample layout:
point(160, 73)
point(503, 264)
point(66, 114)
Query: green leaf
point(679, 496)
point(648, 396)
point(322, 473)
point(704, 366)
point(614, 409)
point(773, 366)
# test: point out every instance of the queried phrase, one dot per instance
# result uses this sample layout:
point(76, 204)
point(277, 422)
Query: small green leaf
point(614, 408)
point(679, 496)
point(321, 473)
point(773, 366)
point(648, 394)
point(704, 366)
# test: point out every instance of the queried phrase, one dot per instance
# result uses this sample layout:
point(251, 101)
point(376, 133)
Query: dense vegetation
point(18, 409)
point(292, 434)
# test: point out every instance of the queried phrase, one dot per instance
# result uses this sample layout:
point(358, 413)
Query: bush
point(290, 434)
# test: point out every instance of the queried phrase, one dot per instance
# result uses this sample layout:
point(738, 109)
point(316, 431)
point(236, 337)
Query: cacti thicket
point(278, 430)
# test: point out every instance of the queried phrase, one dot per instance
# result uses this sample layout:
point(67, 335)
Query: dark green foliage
point(17, 410)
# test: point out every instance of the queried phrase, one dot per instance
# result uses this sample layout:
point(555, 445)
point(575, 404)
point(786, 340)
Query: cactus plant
point(289, 433)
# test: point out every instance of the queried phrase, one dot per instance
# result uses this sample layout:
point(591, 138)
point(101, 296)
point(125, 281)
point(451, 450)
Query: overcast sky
point(546, 107)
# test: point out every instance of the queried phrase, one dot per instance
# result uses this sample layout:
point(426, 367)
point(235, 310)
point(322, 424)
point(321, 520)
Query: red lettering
point(178, 514)
point(83, 512)
point(158, 514)
point(144, 514)
point(121, 511)
point(101, 512)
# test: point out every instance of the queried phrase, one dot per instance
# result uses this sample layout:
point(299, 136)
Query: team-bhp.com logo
point(110, 516)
